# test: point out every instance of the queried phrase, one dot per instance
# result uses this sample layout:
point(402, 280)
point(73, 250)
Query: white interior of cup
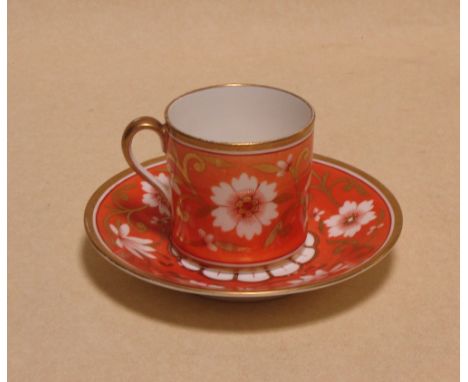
point(239, 114)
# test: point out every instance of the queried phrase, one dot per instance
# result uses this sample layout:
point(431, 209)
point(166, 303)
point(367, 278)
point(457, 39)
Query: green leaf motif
point(266, 167)
point(349, 185)
point(282, 198)
point(229, 247)
point(284, 231)
point(204, 211)
point(218, 162)
point(380, 216)
point(272, 236)
point(293, 171)
point(338, 249)
point(360, 189)
point(141, 226)
point(320, 226)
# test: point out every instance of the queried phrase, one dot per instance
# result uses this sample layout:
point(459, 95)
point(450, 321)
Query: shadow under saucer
point(214, 315)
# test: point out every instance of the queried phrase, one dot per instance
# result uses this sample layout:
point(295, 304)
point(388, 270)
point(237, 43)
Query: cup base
point(179, 252)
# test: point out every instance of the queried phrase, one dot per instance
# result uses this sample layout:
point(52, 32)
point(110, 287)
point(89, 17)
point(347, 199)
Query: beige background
point(383, 77)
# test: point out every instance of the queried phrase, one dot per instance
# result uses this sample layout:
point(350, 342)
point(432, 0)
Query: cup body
point(240, 209)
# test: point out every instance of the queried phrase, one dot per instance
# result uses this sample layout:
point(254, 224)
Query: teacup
point(239, 166)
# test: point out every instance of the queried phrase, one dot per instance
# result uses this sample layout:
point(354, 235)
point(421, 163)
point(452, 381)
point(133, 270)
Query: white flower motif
point(301, 280)
point(284, 166)
point(208, 238)
point(175, 187)
point(247, 288)
point(205, 285)
point(244, 205)
point(153, 198)
point(341, 267)
point(373, 228)
point(135, 245)
point(316, 214)
point(163, 220)
point(172, 181)
point(351, 218)
point(318, 274)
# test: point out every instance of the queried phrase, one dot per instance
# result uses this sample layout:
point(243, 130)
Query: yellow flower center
point(247, 206)
point(350, 219)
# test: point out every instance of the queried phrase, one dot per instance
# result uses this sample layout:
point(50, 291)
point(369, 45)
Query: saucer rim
point(135, 272)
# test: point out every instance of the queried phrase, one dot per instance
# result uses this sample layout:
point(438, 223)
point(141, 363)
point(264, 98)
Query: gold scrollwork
point(199, 164)
point(303, 155)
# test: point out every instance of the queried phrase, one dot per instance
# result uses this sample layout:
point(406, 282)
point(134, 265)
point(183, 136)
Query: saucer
point(353, 222)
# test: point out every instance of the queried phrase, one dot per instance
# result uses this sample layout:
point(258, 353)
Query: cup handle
point(145, 123)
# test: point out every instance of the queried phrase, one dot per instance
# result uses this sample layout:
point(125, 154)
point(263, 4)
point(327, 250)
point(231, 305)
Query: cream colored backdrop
point(383, 77)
